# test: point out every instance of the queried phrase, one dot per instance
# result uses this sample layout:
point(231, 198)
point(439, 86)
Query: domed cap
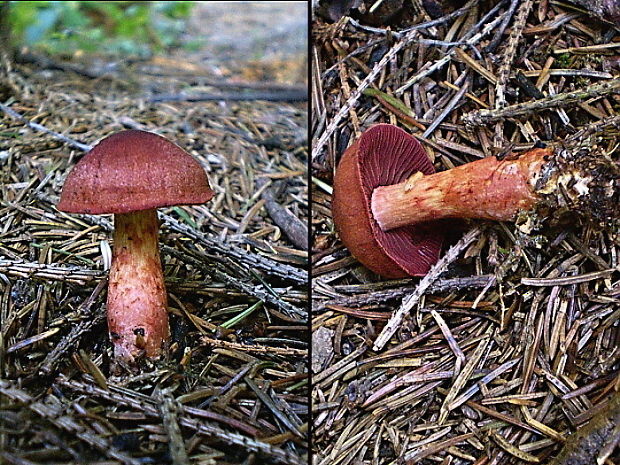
point(383, 156)
point(134, 170)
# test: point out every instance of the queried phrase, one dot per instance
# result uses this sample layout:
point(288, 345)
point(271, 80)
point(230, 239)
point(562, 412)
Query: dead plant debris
point(235, 384)
point(510, 344)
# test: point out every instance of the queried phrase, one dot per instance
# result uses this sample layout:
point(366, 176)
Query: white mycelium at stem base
point(137, 300)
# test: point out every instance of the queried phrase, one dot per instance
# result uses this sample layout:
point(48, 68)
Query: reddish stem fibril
point(137, 299)
point(489, 189)
point(494, 189)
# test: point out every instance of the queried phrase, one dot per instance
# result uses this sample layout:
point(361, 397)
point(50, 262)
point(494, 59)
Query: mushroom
point(387, 200)
point(131, 174)
point(383, 156)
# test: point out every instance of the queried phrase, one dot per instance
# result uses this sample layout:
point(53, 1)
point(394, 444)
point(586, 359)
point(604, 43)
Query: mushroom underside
point(383, 156)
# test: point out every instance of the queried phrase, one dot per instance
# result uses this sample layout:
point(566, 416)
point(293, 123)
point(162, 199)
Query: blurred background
point(270, 37)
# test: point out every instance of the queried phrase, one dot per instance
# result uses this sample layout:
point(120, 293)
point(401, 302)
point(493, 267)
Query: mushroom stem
point(499, 189)
point(137, 300)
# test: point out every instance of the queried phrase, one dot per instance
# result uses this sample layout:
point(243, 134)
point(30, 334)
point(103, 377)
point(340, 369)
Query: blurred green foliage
point(111, 27)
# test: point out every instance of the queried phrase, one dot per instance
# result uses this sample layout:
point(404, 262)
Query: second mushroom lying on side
point(386, 198)
point(131, 174)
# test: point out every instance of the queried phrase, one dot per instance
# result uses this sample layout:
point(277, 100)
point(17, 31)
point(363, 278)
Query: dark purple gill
point(388, 155)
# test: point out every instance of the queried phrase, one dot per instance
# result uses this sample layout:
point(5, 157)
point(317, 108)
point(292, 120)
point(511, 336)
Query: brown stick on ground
point(482, 117)
point(275, 96)
point(293, 227)
point(596, 441)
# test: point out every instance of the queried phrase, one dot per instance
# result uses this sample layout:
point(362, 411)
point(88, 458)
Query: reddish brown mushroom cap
point(383, 156)
point(134, 170)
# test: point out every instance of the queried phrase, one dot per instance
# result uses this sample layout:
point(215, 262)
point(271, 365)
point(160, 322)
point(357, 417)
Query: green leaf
point(115, 27)
point(183, 214)
point(241, 316)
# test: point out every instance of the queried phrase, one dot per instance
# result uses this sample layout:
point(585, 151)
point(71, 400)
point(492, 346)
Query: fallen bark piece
point(293, 227)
